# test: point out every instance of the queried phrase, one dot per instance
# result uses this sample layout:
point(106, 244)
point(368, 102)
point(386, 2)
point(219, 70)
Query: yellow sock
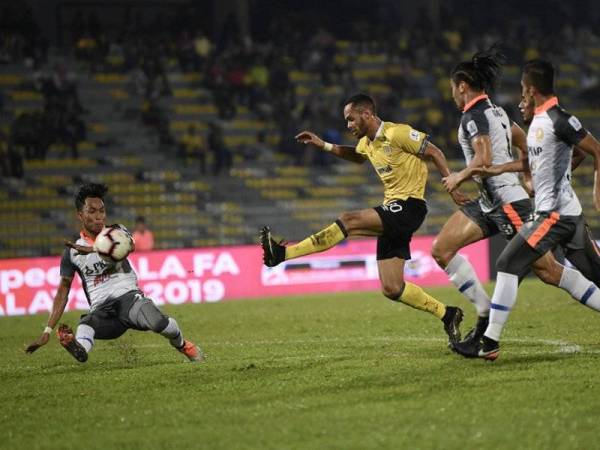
point(318, 242)
point(416, 297)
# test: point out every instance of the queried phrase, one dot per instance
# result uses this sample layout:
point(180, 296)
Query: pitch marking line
point(561, 346)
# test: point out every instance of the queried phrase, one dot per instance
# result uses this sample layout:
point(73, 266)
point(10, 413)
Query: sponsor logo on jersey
point(387, 148)
point(534, 150)
point(575, 123)
point(384, 170)
point(472, 127)
point(414, 135)
point(539, 134)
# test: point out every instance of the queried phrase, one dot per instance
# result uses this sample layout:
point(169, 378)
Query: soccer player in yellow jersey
point(398, 153)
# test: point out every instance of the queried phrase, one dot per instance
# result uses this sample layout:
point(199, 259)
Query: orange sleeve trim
point(543, 229)
point(513, 216)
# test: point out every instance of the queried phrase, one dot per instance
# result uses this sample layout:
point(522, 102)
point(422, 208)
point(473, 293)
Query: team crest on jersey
point(414, 135)
point(575, 123)
point(387, 148)
point(472, 127)
point(539, 134)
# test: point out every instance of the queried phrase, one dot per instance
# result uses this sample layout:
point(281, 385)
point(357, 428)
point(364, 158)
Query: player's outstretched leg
point(185, 346)
point(273, 252)
point(191, 351)
point(146, 316)
point(69, 342)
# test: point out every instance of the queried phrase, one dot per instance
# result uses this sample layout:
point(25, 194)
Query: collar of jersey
point(469, 105)
point(379, 132)
point(86, 237)
point(552, 101)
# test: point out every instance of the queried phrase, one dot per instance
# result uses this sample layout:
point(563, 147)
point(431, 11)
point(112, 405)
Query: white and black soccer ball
point(114, 243)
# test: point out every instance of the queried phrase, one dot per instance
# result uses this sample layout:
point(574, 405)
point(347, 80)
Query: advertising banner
point(28, 285)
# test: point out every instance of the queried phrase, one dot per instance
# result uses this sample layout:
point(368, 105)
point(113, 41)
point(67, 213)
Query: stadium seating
point(185, 208)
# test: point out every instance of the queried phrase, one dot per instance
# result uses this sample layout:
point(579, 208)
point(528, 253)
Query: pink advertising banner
point(27, 285)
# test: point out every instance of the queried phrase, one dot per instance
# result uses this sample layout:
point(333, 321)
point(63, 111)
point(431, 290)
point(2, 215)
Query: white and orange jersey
point(101, 280)
point(550, 140)
point(482, 118)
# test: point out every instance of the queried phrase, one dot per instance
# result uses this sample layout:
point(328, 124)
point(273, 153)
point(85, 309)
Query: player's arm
point(81, 249)
point(578, 157)
point(346, 152)
point(482, 147)
point(518, 165)
point(519, 140)
point(58, 307)
point(435, 155)
point(590, 145)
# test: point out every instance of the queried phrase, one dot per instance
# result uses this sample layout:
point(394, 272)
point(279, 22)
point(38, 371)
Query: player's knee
point(350, 220)
point(153, 319)
point(159, 325)
point(503, 264)
point(393, 290)
point(441, 253)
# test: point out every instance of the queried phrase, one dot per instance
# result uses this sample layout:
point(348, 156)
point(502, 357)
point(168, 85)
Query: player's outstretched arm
point(492, 171)
point(590, 145)
point(519, 140)
point(346, 152)
point(58, 307)
point(82, 249)
point(435, 155)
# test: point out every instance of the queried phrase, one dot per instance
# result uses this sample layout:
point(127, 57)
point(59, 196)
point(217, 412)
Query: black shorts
point(400, 218)
point(506, 219)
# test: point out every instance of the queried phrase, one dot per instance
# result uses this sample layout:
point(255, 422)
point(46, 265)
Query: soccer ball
point(114, 243)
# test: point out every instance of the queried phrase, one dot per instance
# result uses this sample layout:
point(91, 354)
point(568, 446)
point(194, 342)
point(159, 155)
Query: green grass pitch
point(343, 371)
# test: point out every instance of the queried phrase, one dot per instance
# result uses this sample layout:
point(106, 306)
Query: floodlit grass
point(336, 371)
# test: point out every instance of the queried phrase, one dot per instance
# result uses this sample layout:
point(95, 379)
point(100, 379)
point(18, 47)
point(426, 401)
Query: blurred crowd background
point(188, 109)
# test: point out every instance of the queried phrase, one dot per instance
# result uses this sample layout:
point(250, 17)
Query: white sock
point(580, 288)
point(504, 298)
point(173, 333)
point(85, 336)
point(463, 276)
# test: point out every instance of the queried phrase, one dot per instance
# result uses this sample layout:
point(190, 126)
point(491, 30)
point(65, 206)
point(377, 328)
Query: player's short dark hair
point(93, 190)
point(483, 71)
point(539, 73)
point(362, 100)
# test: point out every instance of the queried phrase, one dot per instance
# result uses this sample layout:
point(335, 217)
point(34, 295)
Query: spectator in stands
point(192, 144)
point(216, 143)
point(143, 237)
point(203, 49)
point(72, 132)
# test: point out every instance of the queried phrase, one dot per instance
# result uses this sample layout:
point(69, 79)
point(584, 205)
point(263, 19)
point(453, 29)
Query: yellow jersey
point(395, 153)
